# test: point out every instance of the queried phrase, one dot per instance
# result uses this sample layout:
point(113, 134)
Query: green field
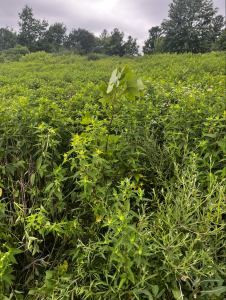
point(113, 197)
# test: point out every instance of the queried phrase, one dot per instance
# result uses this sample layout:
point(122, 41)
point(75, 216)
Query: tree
point(159, 45)
point(102, 43)
point(116, 44)
point(217, 24)
point(131, 46)
point(8, 38)
point(55, 36)
point(220, 44)
point(82, 40)
point(149, 45)
point(31, 30)
point(190, 26)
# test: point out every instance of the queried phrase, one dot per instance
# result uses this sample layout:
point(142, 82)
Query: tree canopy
point(192, 26)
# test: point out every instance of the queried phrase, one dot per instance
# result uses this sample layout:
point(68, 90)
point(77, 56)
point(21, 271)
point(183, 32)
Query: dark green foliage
point(191, 26)
point(55, 37)
point(220, 44)
point(102, 42)
point(149, 45)
point(8, 39)
point(131, 46)
point(81, 40)
point(116, 44)
point(31, 30)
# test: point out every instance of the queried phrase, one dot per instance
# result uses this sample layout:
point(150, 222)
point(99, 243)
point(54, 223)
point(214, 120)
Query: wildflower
point(183, 278)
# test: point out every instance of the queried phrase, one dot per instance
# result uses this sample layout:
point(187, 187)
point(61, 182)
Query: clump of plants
point(101, 200)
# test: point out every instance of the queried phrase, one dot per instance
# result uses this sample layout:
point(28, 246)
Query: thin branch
point(34, 262)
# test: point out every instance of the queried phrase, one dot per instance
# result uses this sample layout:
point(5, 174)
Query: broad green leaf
point(38, 163)
point(91, 174)
point(86, 119)
point(12, 259)
point(49, 274)
point(140, 84)
point(103, 87)
point(135, 82)
point(7, 278)
point(130, 97)
point(49, 187)
point(115, 76)
point(128, 104)
point(16, 193)
point(58, 194)
point(110, 88)
point(176, 294)
point(32, 178)
point(10, 168)
point(15, 251)
point(134, 91)
point(58, 228)
point(155, 289)
point(104, 100)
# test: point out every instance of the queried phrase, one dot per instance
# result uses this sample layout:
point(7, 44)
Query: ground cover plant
point(112, 181)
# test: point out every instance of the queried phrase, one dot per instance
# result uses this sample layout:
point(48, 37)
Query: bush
point(38, 57)
point(14, 54)
point(93, 56)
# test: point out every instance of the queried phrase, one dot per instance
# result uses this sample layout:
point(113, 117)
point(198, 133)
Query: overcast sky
point(133, 17)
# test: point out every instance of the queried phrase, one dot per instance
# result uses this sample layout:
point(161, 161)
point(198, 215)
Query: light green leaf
point(49, 274)
point(49, 186)
point(15, 251)
point(115, 76)
point(58, 228)
point(16, 193)
point(110, 88)
point(134, 91)
point(86, 119)
point(58, 194)
point(130, 97)
point(217, 291)
point(32, 179)
point(155, 289)
point(145, 292)
point(103, 87)
point(176, 294)
point(38, 163)
point(12, 259)
point(131, 275)
point(128, 104)
point(136, 82)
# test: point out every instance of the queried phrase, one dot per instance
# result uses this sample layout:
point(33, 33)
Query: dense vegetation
point(113, 189)
point(193, 26)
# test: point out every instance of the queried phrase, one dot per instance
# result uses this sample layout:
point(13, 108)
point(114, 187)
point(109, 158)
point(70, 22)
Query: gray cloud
point(130, 16)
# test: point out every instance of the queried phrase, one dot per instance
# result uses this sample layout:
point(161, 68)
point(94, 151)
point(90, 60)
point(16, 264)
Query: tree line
point(37, 35)
point(192, 26)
